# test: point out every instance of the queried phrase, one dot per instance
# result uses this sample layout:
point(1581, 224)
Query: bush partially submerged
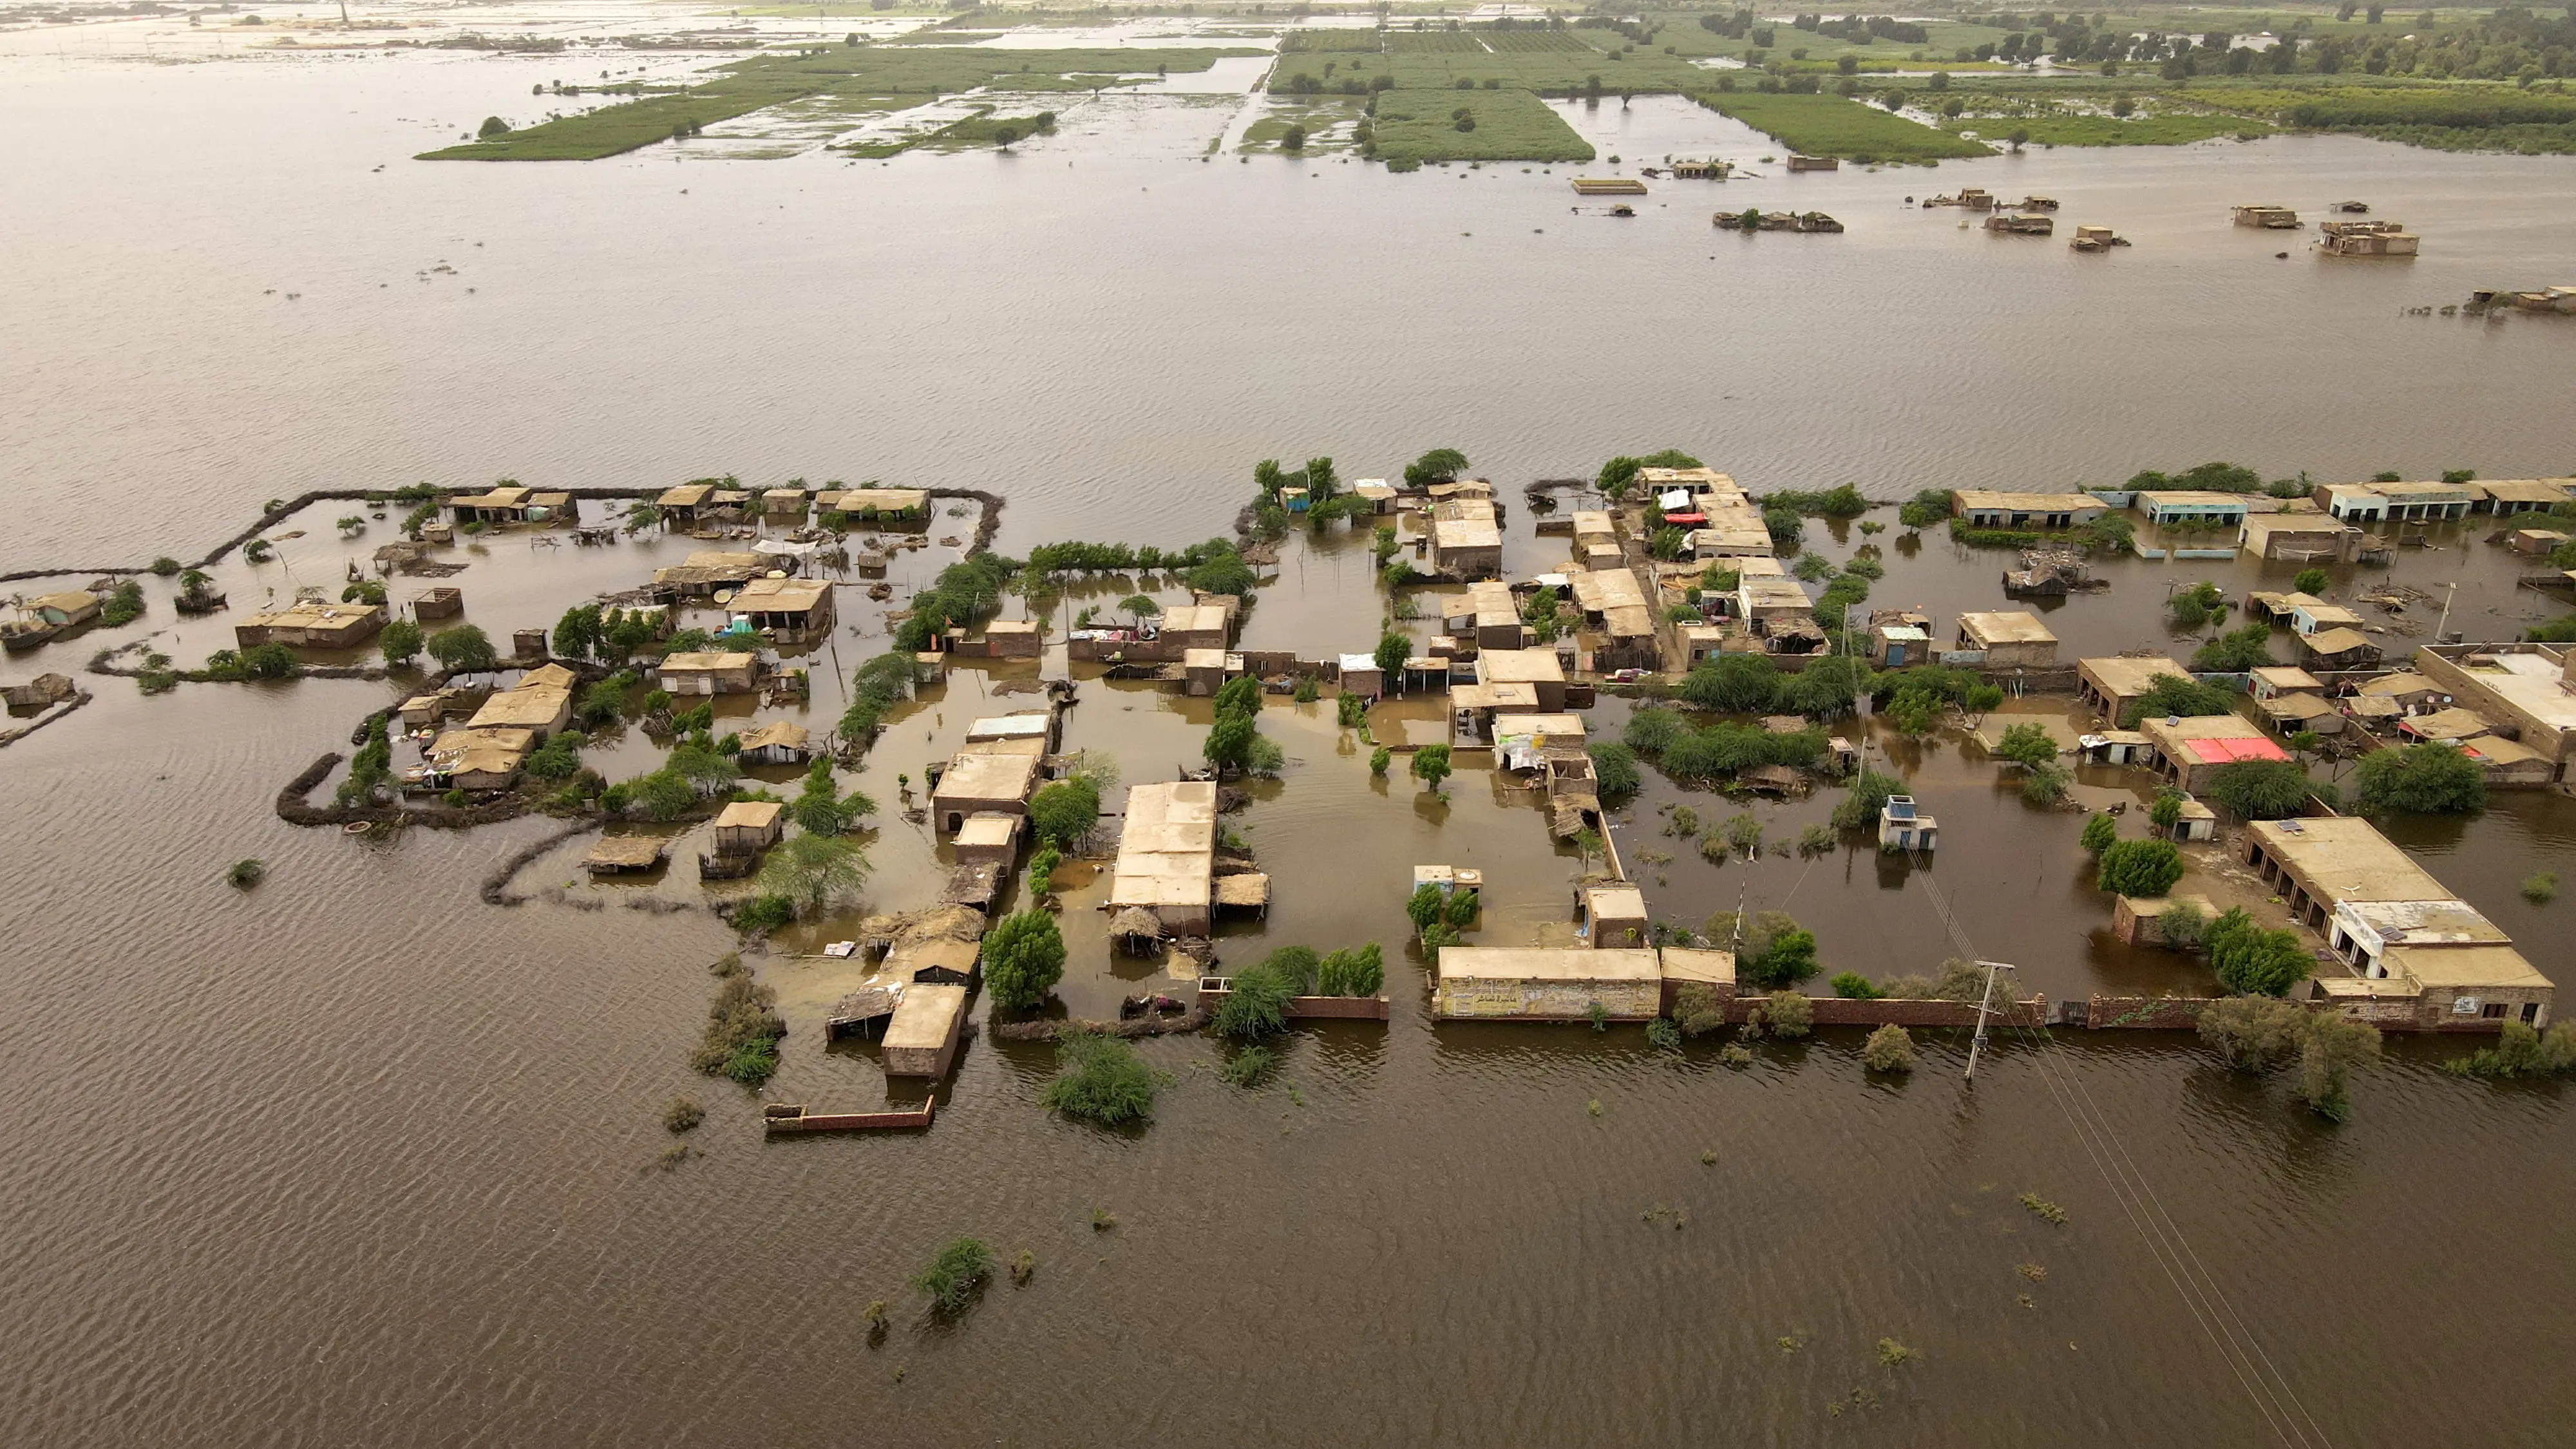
point(1104, 1081)
point(1889, 1049)
point(743, 1027)
point(954, 1275)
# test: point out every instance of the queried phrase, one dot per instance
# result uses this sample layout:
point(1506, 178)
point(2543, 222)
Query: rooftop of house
point(1542, 726)
point(2529, 680)
point(989, 828)
point(1465, 533)
point(781, 596)
point(2526, 490)
point(484, 750)
point(304, 614)
point(927, 1015)
point(2190, 498)
point(2284, 676)
point(986, 775)
point(2403, 682)
point(1519, 695)
point(1010, 628)
point(1010, 727)
point(2346, 858)
point(1615, 902)
point(2466, 967)
point(2212, 739)
point(2338, 640)
point(784, 733)
point(528, 706)
point(1983, 499)
point(2424, 923)
point(1519, 666)
point(2010, 626)
point(1681, 964)
point(686, 495)
point(883, 500)
point(1548, 963)
point(708, 661)
point(750, 815)
point(1166, 846)
point(1194, 619)
point(2454, 723)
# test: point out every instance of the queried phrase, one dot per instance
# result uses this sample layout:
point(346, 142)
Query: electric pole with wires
point(1985, 1004)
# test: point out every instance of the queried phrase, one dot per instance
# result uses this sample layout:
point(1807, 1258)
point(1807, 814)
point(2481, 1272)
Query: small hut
point(1136, 931)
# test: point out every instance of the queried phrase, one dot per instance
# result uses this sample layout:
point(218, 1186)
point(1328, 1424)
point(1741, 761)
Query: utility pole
point(1985, 1003)
point(2442, 630)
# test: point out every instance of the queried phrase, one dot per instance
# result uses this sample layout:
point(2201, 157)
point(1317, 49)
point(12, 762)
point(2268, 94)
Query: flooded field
point(356, 1158)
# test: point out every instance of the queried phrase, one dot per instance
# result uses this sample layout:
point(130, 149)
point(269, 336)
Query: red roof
point(2231, 750)
point(1686, 518)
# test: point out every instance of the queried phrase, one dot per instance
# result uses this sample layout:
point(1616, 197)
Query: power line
point(2263, 1382)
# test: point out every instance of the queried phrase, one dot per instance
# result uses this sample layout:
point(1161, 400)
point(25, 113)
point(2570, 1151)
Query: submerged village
point(1566, 753)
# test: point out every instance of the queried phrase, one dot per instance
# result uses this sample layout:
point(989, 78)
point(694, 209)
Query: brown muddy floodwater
point(354, 1158)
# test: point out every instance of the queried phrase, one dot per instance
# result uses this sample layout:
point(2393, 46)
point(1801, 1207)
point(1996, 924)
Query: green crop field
point(1822, 125)
point(1510, 125)
point(856, 78)
point(2173, 128)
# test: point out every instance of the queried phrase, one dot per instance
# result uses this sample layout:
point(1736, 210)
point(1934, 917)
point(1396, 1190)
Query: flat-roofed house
point(875, 505)
point(1014, 639)
point(2337, 648)
point(1547, 984)
point(1487, 616)
point(1466, 548)
point(1611, 916)
point(1167, 856)
point(2010, 639)
point(1538, 669)
point(1027, 725)
point(986, 779)
point(779, 742)
point(540, 704)
point(681, 504)
point(709, 671)
point(311, 624)
point(2188, 750)
point(1988, 508)
point(2298, 537)
point(748, 827)
point(789, 611)
point(506, 504)
point(1196, 626)
point(2266, 681)
point(922, 1036)
point(2167, 507)
point(988, 837)
point(2396, 502)
point(2507, 497)
point(709, 571)
point(2112, 685)
point(2525, 685)
point(476, 759)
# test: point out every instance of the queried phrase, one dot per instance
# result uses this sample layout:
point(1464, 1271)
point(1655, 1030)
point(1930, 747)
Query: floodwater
point(356, 1159)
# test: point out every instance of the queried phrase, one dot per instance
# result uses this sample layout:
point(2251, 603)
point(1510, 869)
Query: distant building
point(1903, 826)
point(2010, 639)
point(1167, 856)
point(2111, 685)
point(1986, 508)
point(789, 611)
point(2168, 507)
point(2188, 750)
point(709, 672)
point(314, 625)
point(2530, 686)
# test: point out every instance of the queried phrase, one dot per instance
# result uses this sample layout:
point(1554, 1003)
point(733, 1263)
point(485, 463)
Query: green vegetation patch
point(1498, 125)
point(2170, 128)
point(1822, 125)
point(860, 77)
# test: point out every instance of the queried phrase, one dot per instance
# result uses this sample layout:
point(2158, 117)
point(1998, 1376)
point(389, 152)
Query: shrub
point(955, 1274)
point(1889, 1049)
point(1734, 683)
point(2251, 961)
point(1248, 1067)
point(1614, 771)
point(2166, 810)
point(1788, 1013)
point(2046, 784)
point(2139, 868)
point(1852, 986)
point(1651, 729)
point(1023, 959)
point(2182, 926)
point(2237, 650)
point(766, 912)
point(2521, 1052)
point(2172, 694)
point(1960, 980)
point(1257, 1007)
point(2027, 744)
point(2425, 779)
point(463, 649)
point(743, 1027)
point(1431, 765)
point(1379, 759)
point(682, 1115)
point(1104, 1081)
point(241, 875)
point(1858, 809)
point(2540, 889)
point(1695, 1009)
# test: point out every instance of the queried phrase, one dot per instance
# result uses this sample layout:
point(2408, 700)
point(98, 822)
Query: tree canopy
point(2260, 789)
point(1023, 959)
point(2425, 779)
point(2139, 868)
point(2252, 961)
point(1735, 683)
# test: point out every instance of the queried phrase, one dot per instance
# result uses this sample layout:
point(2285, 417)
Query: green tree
point(1440, 465)
point(1065, 810)
point(2424, 779)
point(1652, 728)
point(1614, 771)
point(1139, 607)
point(1379, 759)
point(2252, 961)
point(462, 650)
point(1257, 1005)
point(2139, 868)
point(1392, 651)
point(1023, 959)
point(493, 127)
point(578, 633)
point(400, 641)
point(2099, 832)
point(2027, 744)
point(2311, 581)
point(2237, 650)
point(2166, 811)
point(2260, 789)
point(1734, 683)
point(1431, 765)
point(815, 871)
point(1229, 742)
point(2173, 694)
